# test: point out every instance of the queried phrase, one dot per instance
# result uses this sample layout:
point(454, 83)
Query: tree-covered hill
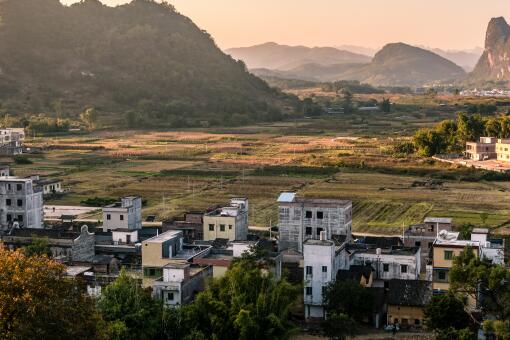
point(138, 64)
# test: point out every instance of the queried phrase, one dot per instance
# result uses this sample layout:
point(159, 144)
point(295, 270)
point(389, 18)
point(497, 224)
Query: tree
point(339, 326)
point(38, 301)
point(469, 127)
point(429, 142)
point(38, 247)
point(385, 105)
point(345, 296)
point(90, 117)
point(500, 329)
point(247, 303)
point(444, 312)
point(130, 310)
point(347, 105)
point(475, 278)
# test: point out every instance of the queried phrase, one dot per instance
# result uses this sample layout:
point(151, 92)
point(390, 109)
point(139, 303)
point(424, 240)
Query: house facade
point(300, 219)
point(125, 214)
point(21, 203)
point(228, 222)
point(11, 141)
point(482, 150)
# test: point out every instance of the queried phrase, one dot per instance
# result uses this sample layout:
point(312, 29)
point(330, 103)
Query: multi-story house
point(192, 226)
point(482, 150)
point(321, 264)
point(21, 203)
point(228, 222)
point(423, 235)
point(126, 214)
point(503, 150)
point(402, 263)
point(167, 248)
point(5, 171)
point(11, 141)
point(300, 219)
point(448, 245)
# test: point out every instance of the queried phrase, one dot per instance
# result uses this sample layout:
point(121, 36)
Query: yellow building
point(228, 222)
point(406, 300)
point(445, 248)
point(503, 150)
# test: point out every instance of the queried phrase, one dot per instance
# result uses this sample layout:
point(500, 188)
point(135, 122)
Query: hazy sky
point(449, 24)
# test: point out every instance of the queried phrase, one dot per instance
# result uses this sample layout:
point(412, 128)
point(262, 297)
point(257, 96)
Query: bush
point(22, 160)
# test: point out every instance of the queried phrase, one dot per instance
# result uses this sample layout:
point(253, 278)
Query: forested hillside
point(140, 64)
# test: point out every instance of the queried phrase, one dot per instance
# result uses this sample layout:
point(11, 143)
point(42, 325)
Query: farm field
point(176, 171)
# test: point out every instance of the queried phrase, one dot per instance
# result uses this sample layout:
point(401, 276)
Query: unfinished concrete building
point(21, 203)
point(301, 219)
point(11, 141)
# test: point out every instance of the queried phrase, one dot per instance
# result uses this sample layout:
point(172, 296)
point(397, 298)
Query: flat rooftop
point(290, 197)
point(167, 235)
point(445, 220)
point(392, 251)
point(319, 242)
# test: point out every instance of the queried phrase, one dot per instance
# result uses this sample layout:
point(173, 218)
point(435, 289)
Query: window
point(8, 202)
point(222, 227)
point(19, 203)
point(9, 217)
point(308, 214)
point(309, 270)
point(441, 275)
point(319, 231)
point(121, 217)
point(324, 269)
point(19, 187)
point(448, 255)
point(20, 218)
point(230, 226)
point(403, 268)
point(170, 296)
point(308, 231)
point(309, 291)
point(386, 267)
point(108, 217)
point(320, 215)
point(417, 322)
point(405, 322)
point(417, 244)
point(211, 227)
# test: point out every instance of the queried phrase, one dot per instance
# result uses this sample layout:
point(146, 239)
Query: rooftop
point(355, 272)
point(409, 292)
point(48, 181)
point(124, 230)
point(290, 197)
point(448, 238)
point(445, 220)
point(50, 233)
point(480, 231)
point(319, 242)
point(391, 251)
point(168, 235)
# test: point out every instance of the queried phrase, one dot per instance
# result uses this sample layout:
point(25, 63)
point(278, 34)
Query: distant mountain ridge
point(494, 64)
point(141, 57)
point(282, 57)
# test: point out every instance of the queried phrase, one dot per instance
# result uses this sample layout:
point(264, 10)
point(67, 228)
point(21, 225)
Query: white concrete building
point(321, 263)
point(21, 203)
point(126, 214)
point(402, 263)
point(300, 219)
point(124, 236)
point(5, 171)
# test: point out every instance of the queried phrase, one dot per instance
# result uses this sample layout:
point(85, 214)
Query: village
point(312, 244)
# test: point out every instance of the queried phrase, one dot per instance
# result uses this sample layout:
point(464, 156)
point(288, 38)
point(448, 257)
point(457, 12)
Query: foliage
point(456, 334)
point(465, 231)
point(444, 312)
point(38, 301)
point(472, 277)
point(98, 201)
point(353, 86)
point(90, 117)
point(44, 124)
point(38, 247)
point(385, 105)
point(403, 148)
point(311, 109)
point(133, 311)
point(339, 326)
point(247, 303)
point(22, 159)
point(343, 297)
point(500, 329)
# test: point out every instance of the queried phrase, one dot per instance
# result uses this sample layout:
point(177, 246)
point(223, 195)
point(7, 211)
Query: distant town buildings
point(21, 203)
point(125, 214)
point(485, 93)
point(300, 219)
point(11, 141)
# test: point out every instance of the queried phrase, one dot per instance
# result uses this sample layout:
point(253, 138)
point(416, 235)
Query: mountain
point(466, 59)
point(494, 64)
point(309, 72)
point(281, 57)
point(141, 60)
point(369, 51)
point(399, 64)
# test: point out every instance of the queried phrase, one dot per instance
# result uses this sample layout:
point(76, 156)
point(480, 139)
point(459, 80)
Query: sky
point(446, 24)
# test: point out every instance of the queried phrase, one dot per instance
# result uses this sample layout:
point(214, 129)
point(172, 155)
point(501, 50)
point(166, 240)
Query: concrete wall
point(83, 246)
point(298, 222)
point(30, 213)
point(228, 223)
point(405, 312)
point(394, 262)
